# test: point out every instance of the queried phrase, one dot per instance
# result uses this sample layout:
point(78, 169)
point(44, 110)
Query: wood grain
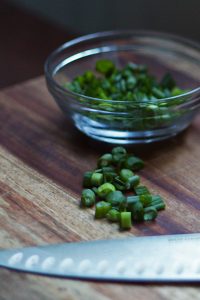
point(42, 159)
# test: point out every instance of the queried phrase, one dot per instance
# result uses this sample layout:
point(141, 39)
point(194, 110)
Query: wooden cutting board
point(42, 160)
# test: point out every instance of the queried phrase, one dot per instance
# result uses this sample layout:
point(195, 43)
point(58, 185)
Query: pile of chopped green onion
point(115, 190)
point(131, 83)
point(129, 98)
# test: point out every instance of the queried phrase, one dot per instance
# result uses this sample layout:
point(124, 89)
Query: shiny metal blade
point(160, 258)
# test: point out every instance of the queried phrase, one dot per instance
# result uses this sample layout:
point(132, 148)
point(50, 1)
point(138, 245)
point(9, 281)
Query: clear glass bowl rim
point(90, 37)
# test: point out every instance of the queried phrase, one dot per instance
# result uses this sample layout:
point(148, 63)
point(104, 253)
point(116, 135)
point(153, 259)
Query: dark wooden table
point(42, 160)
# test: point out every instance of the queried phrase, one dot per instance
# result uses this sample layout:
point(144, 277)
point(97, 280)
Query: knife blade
point(168, 258)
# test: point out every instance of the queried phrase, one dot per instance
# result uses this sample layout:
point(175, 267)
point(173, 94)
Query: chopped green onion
point(115, 198)
point(134, 163)
point(88, 76)
point(119, 150)
point(141, 190)
point(105, 160)
point(109, 177)
point(157, 202)
point(132, 199)
point(98, 170)
point(118, 153)
point(113, 215)
point(125, 220)
point(150, 213)
point(125, 174)
point(177, 91)
point(157, 198)
point(102, 208)
point(151, 110)
point(87, 198)
point(105, 189)
point(158, 93)
point(87, 179)
point(137, 211)
point(109, 173)
point(133, 182)
point(108, 169)
point(159, 206)
point(146, 199)
point(105, 66)
point(131, 82)
point(124, 200)
point(136, 87)
point(119, 184)
point(97, 179)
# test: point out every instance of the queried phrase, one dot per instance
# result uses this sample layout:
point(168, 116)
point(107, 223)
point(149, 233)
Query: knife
point(170, 258)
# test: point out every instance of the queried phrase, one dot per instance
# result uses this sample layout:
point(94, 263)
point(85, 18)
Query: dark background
point(31, 29)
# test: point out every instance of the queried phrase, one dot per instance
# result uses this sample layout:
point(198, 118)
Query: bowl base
point(115, 136)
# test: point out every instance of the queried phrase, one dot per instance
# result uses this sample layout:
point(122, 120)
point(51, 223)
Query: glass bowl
point(127, 122)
